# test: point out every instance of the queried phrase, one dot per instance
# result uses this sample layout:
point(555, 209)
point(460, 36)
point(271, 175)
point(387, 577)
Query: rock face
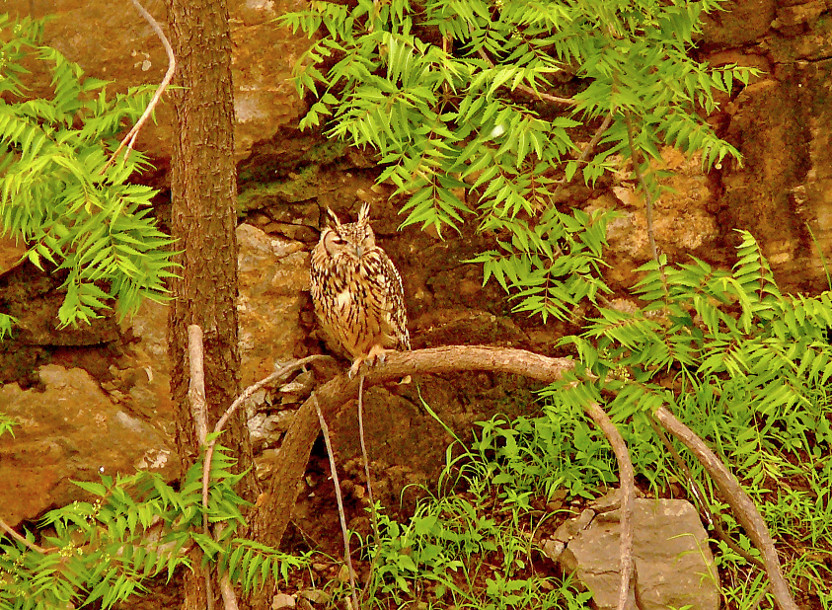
point(112, 41)
point(783, 191)
point(274, 282)
point(286, 178)
point(673, 562)
point(70, 430)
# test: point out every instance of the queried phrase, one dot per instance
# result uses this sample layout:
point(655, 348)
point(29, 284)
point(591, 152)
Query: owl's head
point(351, 240)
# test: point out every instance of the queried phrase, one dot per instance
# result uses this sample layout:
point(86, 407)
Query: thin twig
point(366, 458)
point(547, 97)
point(196, 398)
point(341, 515)
point(278, 375)
point(543, 96)
point(626, 477)
point(593, 142)
point(196, 387)
point(199, 412)
point(596, 137)
point(738, 500)
point(130, 138)
point(648, 198)
point(22, 540)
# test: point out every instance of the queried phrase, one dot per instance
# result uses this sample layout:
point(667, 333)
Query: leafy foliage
point(483, 109)
point(743, 365)
point(138, 527)
point(459, 553)
point(57, 193)
point(717, 334)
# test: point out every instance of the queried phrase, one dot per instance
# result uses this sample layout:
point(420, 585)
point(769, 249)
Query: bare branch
point(366, 457)
point(342, 517)
point(229, 598)
point(626, 478)
point(707, 514)
point(130, 138)
point(738, 500)
point(240, 400)
point(272, 515)
point(22, 540)
point(196, 388)
point(199, 412)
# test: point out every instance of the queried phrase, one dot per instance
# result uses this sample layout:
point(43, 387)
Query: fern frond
point(57, 198)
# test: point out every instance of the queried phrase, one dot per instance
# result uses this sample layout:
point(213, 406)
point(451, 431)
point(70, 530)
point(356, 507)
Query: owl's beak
point(359, 251)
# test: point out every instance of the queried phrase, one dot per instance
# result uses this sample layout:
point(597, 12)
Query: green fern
point(478, 109)
point(83, 219)
point(102, 551)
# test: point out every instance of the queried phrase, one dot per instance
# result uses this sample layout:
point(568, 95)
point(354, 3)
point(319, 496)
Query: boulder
point(674, 567)
point(274, 285)
point(69, 431)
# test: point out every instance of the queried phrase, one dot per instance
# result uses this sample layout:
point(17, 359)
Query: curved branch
point(275, 377)
point(626, 478)
point(273, 511)
point(739, 502)
point(134, 131)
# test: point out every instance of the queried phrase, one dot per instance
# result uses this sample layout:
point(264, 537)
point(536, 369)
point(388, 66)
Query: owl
point(357, 291)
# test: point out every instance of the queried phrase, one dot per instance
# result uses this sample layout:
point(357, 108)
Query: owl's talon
point(356, 366)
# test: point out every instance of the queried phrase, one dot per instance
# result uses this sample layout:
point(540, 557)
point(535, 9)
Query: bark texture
point(203, 192)
point(204, 217)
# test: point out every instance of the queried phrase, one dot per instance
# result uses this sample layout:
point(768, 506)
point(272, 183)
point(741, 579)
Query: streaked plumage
point(357, 291)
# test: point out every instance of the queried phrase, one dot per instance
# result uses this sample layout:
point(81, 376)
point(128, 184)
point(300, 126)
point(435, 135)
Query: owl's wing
point(390, 298)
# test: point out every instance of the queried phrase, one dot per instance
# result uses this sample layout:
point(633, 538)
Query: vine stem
point(648, 198)
point(130, 138)
point(342, 518)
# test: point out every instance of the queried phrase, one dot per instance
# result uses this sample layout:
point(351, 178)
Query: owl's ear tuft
point(333, 218)
point(364, 213)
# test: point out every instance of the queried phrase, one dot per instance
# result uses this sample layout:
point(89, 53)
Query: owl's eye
point(332, 240)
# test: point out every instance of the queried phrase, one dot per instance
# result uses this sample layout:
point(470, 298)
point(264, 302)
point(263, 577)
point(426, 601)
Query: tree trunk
point(204, 218)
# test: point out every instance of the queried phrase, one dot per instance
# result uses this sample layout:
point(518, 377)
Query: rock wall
point(782, 193)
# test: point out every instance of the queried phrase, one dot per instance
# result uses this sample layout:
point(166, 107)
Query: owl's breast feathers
point(360, 302)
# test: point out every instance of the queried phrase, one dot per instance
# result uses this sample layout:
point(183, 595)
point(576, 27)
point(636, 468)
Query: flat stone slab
point(673, 563)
